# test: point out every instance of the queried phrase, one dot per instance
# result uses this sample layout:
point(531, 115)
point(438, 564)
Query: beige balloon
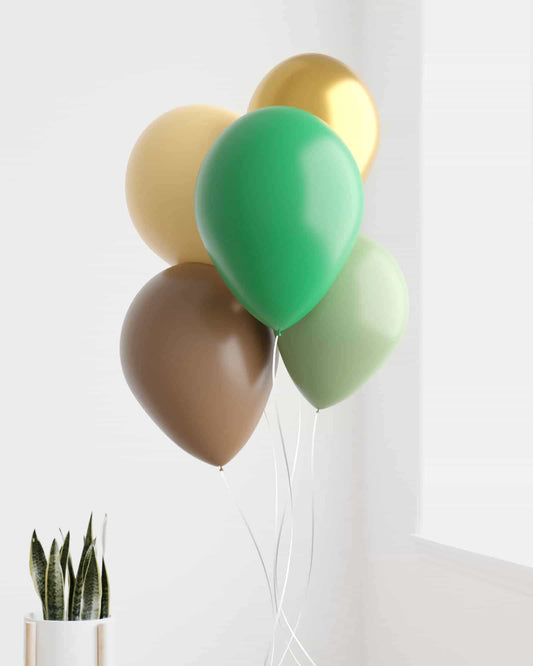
point(161, 177)
point(197, 361)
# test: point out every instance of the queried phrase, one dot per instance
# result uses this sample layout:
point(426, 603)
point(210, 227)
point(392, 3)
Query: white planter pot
point(82, 643)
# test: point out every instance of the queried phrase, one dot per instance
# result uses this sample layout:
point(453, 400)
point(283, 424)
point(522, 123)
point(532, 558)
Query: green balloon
point(353, 329)
point(278, 203)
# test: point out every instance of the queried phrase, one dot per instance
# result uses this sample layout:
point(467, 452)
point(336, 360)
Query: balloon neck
point(278, 334)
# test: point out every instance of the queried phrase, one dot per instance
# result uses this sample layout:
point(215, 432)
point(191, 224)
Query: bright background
point(452, 82)
point(477, 320)
point(80, 83)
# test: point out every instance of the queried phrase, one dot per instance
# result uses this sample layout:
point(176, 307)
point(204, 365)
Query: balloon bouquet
point(259, 217)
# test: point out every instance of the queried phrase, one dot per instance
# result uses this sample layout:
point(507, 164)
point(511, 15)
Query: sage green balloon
point(332, 351)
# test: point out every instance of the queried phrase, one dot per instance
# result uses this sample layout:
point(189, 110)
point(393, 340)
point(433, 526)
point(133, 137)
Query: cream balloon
point(161, 177)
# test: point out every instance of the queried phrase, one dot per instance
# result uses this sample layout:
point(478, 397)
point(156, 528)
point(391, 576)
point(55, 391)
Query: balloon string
point(276, 488)
point(275, 463)
point(278, 543)
point(276, 341)
point(292, 631)
point(297, 448)
point(312, 547)
point(251, 533)
point(278, 533)
point(276, 513)
point(290, 477)
point(313, 513)
point(291, 540)
point(276, 492)
point(293, 635)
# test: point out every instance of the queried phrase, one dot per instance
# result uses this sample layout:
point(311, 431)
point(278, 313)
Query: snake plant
point(65, 593)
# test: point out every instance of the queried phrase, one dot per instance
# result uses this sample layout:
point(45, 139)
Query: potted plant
point(73, 628)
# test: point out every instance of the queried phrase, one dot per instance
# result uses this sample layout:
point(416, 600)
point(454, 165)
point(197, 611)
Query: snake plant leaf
point(89, 536)
point(92, 547)
point(77, 589)
point(38, 569)
point(75, 609)
point(64, 555)
point(88, 591)
point(104, 610)
point(71, 584)
point(86, 546)
point(104, 536)
point(87, 542)
point(54, 587)
point(92, 590)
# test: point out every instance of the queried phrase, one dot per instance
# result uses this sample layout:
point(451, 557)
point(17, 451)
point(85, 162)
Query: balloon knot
point(220, 469)
point(279, 333)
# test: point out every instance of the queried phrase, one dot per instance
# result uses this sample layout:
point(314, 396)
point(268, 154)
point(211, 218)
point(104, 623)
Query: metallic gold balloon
point(330, 90)
point(161, 177)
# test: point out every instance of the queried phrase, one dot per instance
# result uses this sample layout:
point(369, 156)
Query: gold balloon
point(161, 177)
point(330, 90)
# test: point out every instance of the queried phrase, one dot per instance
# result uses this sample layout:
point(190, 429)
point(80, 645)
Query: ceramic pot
point(81, 643)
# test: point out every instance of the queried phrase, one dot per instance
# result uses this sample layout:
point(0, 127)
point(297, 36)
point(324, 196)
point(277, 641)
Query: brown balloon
point(197, 361)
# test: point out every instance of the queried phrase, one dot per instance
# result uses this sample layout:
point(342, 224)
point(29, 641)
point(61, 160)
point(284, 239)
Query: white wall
point(420, 606)
point(80, 83)
point(477, 324)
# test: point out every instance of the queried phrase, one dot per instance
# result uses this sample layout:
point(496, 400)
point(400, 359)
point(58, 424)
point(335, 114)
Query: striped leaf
point(104, 536)
point(38, 569)
point(75, 610)
point(92, 590)
point(75, 592)
point(64, 555)
point(71, 584)
point(89, 536)
point(104, 610)
point(88, 592)
point(54, 587)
